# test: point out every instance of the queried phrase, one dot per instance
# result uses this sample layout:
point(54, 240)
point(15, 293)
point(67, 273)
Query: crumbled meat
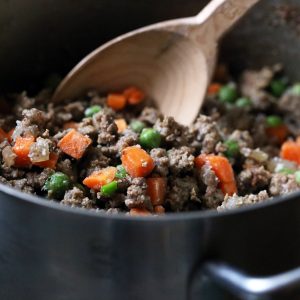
point(86, 127)
point(161, 161)
point(150, 115)
point(104, 122)
point(181, 160)
point(206, 134)
point(37, 180)
point(8, 156)
point(253, 179)
point(213, 196)
point(282, 184)
point(128, 138)
point(94, 160)
point(253, 85)
point(137, 194)
point(66, 166)
point(76, 198)
point(232, 202)
point(172, 132)
point(243, 138)
point(182, 190)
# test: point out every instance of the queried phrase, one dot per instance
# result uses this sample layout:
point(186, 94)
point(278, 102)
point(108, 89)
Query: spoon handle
point(219, 15)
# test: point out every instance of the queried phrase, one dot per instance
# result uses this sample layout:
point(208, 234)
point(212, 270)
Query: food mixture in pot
point(117, 153)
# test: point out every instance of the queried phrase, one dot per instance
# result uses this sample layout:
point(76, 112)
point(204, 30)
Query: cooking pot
point(48, 251)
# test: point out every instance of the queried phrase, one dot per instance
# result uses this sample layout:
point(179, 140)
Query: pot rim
point(178, 216)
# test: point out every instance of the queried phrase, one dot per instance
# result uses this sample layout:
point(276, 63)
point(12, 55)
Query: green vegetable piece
point(150, 138)
point(57, 184)
point(296, 89)
point(137, 126)
point(297, 176)
point(286, 171)
point(243, 102)
point(228, 93)
point(233, 148)
point(277, 87)
point(121, 172)
point(90, 111)
point(274, 121)
point(109, 189)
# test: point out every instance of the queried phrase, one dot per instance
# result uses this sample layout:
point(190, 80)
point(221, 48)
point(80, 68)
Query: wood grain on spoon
point(171, 61)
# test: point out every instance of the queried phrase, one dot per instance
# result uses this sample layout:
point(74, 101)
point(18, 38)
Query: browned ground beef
point(259, 173)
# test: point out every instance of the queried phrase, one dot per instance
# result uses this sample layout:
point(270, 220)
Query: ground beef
point(181, 191)
point(232, 202)
point(172, 132)
point(8, 156)
point(181, 160)
point(213, 196)
point(150, 115)
point(104, 122)
point(161, 161)
point(253, 179)
point(206, 134)
point(289, 104)
point(86, 127)
point(282, 184)
point(66, 166)
point(137, 194)
point(243, 138)
point(94, 160)
point(37, 180)
point(253, 85)
point(76, 198)
point(128, 138)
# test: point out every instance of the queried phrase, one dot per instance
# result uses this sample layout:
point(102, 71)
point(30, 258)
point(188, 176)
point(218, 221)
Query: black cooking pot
point(51, 252)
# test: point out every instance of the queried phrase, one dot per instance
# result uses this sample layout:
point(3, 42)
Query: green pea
point(297, 176)
point(57, 184)
point(274, 121)
point(228, 93)
point(137, 126)
point(296, 89)
point(286, 171)
point(109, 189)
point(150, 138)
point(233, 148)
point(243, 102)
point(121, 172)
point(90, 111)
point(277, 87)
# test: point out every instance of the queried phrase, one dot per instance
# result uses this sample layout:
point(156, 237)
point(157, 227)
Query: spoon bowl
point(172, 61)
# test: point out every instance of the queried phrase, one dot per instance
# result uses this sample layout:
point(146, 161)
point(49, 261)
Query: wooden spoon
point(171, 61)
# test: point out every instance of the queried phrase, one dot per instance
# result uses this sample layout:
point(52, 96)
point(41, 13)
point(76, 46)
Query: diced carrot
point(3, 135)
point(9, 134)
point(159, 209)
point(121, 124)
point(99, 178)
point(51, 163)
point(22, 148)
point(70, 125)
point(156, 189)
point(137, 162)
point(139, 212)
point(279, 132)
point(74, 144)
point(213, 88)
point(116, 101)
point(223, 170)
point(134, 95)
point(290, 150)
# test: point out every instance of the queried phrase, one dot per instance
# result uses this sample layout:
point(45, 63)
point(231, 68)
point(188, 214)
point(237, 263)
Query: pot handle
point(246, 286)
